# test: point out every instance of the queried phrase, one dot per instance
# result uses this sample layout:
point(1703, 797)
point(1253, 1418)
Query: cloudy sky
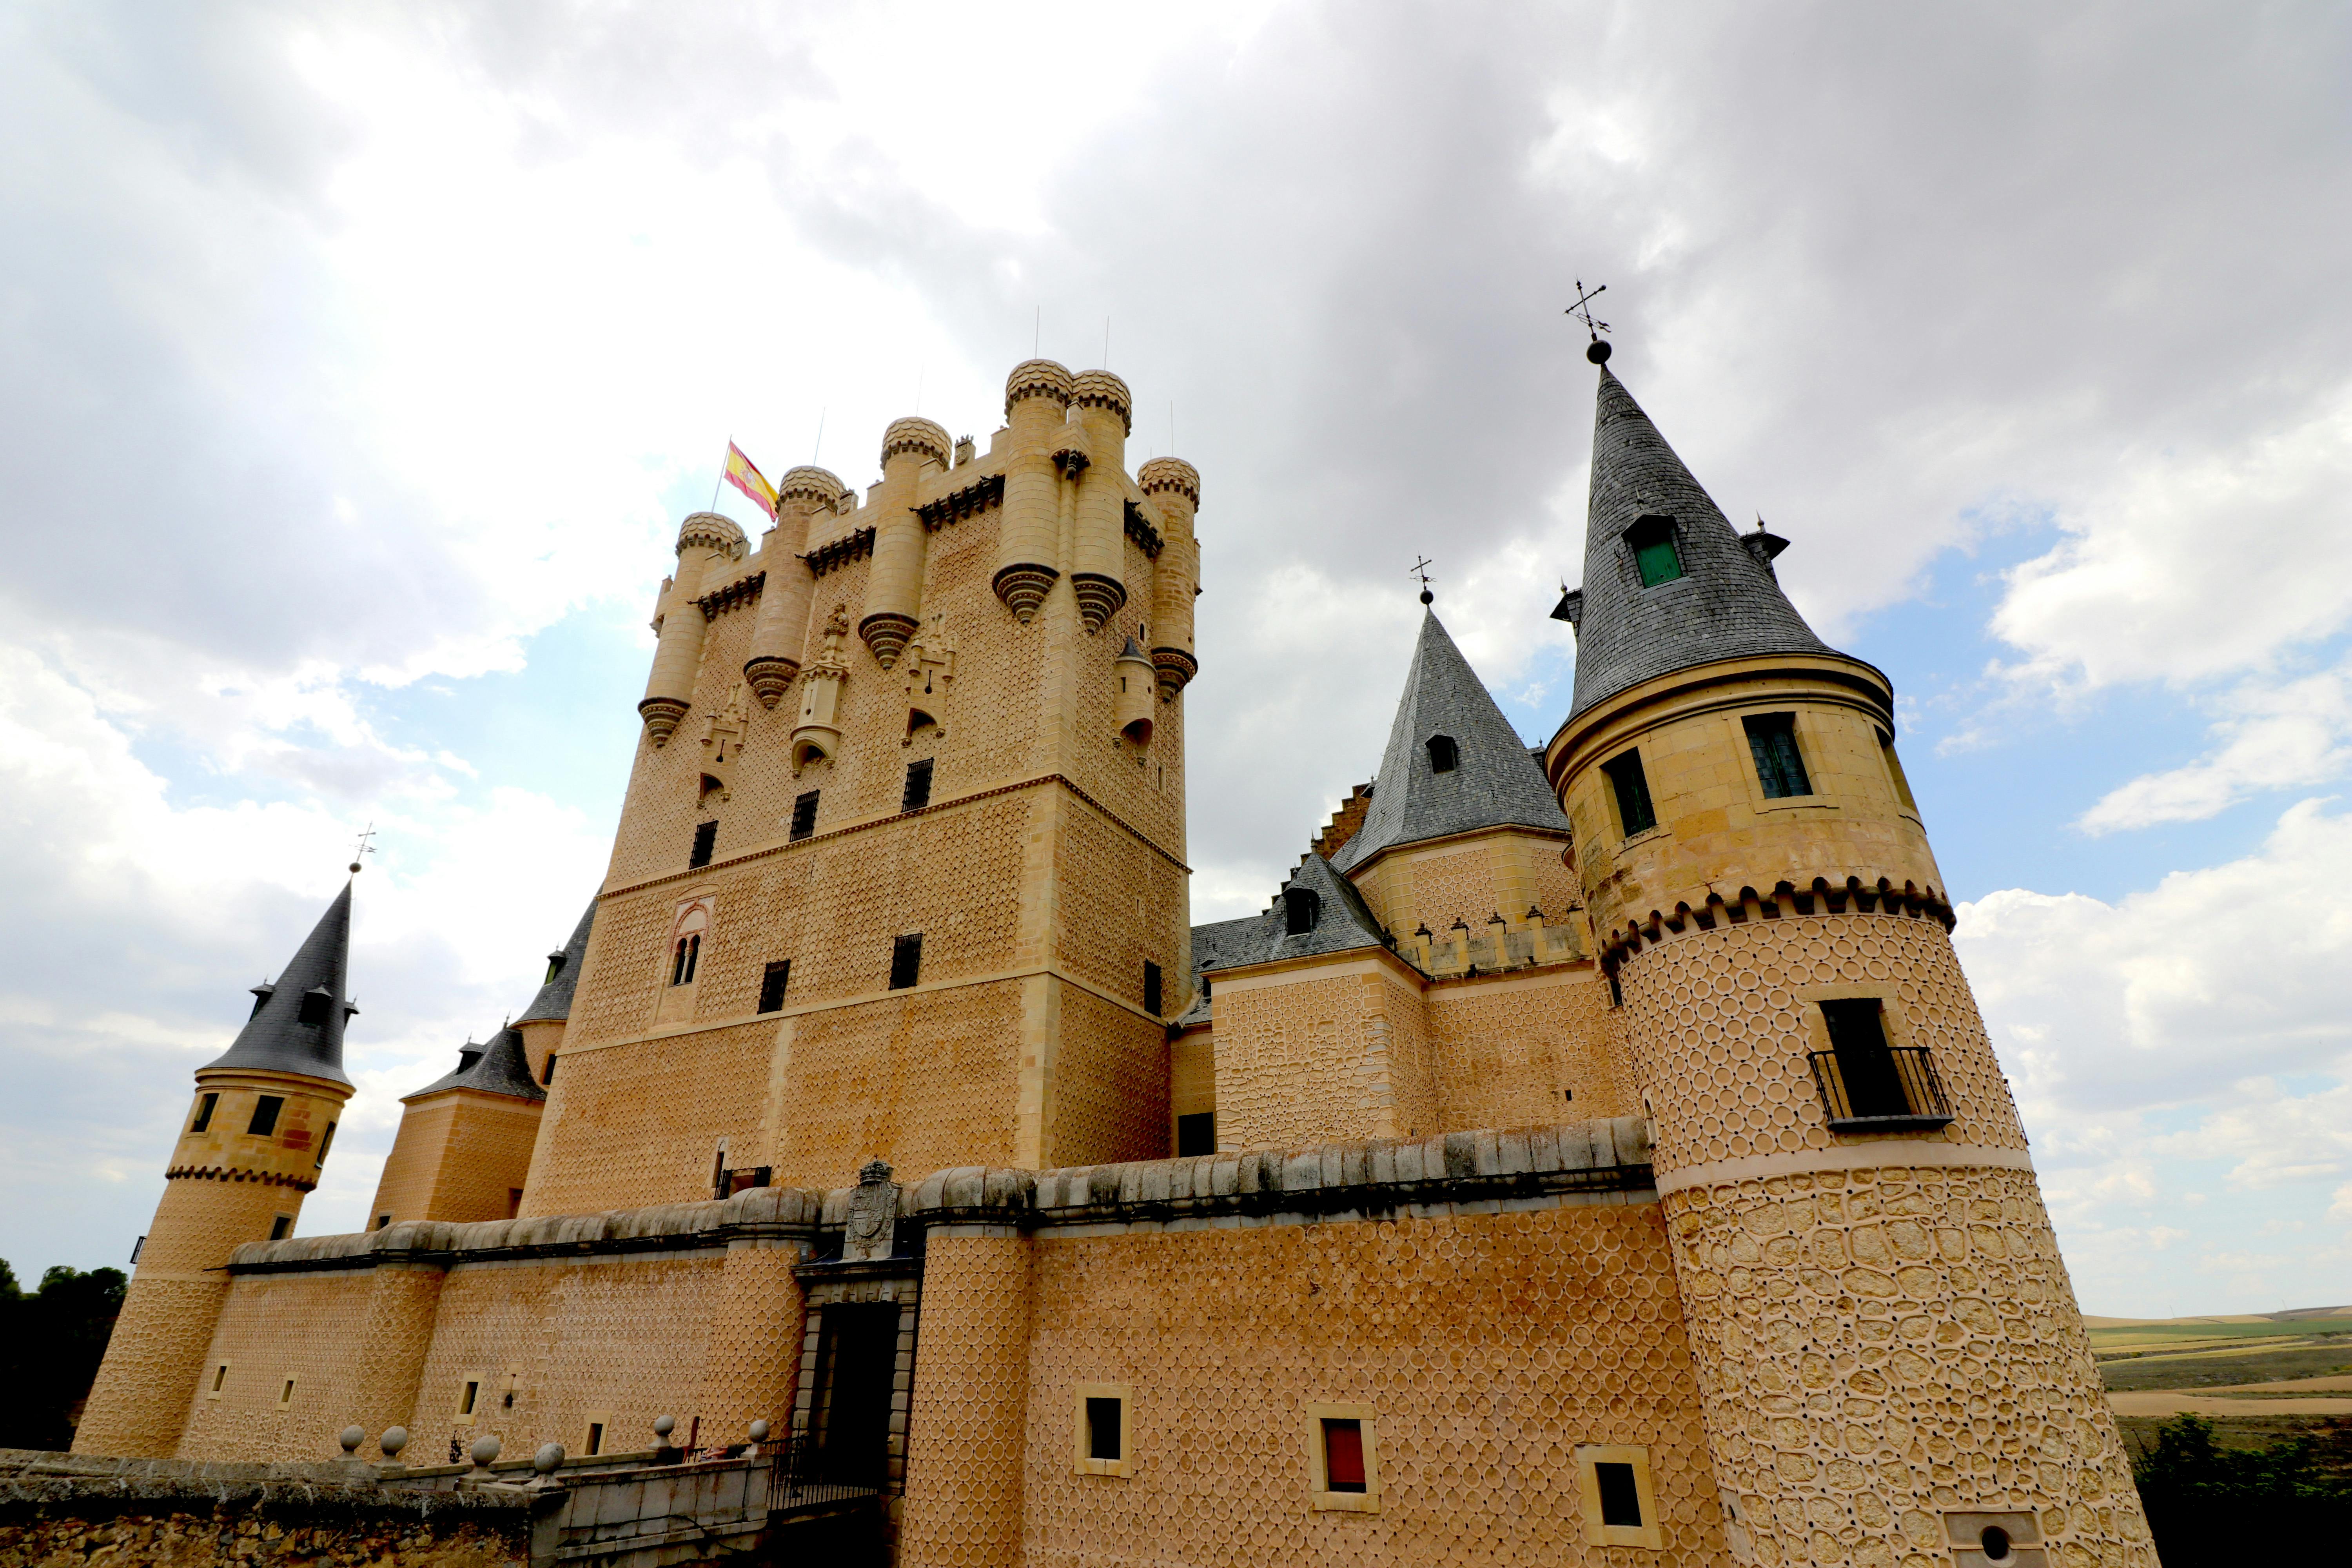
point(357, 362)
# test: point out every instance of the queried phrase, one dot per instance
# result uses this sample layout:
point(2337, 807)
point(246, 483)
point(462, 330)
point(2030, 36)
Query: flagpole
point(723, 474)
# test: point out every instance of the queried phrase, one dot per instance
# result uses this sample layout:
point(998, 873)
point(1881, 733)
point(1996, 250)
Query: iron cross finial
point(1597, 353)
point(1420, 567)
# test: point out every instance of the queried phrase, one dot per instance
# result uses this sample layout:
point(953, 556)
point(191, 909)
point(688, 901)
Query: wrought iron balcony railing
point(808, 1472)
point(1894, 1089)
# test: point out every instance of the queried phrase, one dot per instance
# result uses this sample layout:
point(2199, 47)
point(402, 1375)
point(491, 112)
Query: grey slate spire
point(1493, 782)
point(1726, 603)
point(502, 1067)
point(297, 1024)
point(554, 998)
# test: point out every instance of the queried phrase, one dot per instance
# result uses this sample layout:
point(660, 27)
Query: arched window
point(689, 952)
point(686, 943)
point(1443, 755)
point(1301, 908)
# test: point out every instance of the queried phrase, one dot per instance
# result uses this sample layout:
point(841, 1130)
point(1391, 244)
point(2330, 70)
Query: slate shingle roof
point(502, 1067)
point(554, 998)
point(1344, 923)
point(275, 1038)
point(1727, 604)
point(1494, 781)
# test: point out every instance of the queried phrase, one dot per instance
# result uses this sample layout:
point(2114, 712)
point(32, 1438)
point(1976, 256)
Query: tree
point(50, 1345)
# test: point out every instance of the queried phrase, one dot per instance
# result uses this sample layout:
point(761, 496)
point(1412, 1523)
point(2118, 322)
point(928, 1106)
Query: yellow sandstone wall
point(966, 1442)
point(459, 1157)
point(1328, 1051)
point(1488, 1347)
point(1524, 1049)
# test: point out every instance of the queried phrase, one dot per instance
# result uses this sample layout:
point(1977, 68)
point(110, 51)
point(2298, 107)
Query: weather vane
point(1420, 567)
point(1582, 310)
point(363, 847)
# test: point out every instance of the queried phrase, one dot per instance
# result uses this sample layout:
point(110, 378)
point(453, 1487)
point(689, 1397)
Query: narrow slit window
point(205, 1105)
point(220, 1376)
point(906, 960)
point(773, 983)
point(326, 1142)
point(265, 1115)
point(466, 1400)
point(1656, 555)
point(596, 1444)
point(547, 1076)
point(281, 1227)
point(705, 839)
point(1343, 1455)
point(1104, 1429)
point(1780, 767)
point(1445, 756)
point(1301, 909)
point(382, 1220)
point(1152, 986)
point(1196, 1134)
point(286, 1395)
point(805, 813)
point(1635, 810)
point(918, 793)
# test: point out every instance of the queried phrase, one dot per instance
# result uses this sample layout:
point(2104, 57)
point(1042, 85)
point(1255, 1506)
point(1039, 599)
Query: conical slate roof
point(554, 998)
point(276, 1038)
point(1726, 603)
point(1344, 923)
point(502, 1067)
point(1494, 779)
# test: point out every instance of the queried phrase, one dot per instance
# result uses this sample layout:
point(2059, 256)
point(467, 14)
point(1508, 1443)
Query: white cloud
point(2270, 736)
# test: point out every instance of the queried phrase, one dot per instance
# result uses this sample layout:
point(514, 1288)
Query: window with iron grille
point(1632, 786)
point(1780, 767)
point(1151, 997)
point(906, 960)
point(1655, 554)
point(705, 839)
point(918, 793)
point(1869, 1085)
point(265, 1115)
point(772, 984)
point(804, 815)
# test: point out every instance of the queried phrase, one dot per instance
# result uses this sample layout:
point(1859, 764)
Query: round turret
point(915, 434)
point(1101, 389)
point(820, 487)
point(1171, 474)
point(1036, 378)
point(713, 531)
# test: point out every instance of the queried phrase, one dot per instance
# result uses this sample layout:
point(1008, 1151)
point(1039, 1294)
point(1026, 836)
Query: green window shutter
point(1632, 786)
point(1656, 555)
point(1780, 767)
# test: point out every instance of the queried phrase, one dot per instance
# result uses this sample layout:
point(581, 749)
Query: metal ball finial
point(1427, 597)
point(355, 868)
point(1597, 350)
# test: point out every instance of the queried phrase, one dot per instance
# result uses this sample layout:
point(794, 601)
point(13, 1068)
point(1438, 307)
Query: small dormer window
point(1301, 909)
point(318, 1007)
point(554, 968)
point(1655, 554)
point(1443, 755)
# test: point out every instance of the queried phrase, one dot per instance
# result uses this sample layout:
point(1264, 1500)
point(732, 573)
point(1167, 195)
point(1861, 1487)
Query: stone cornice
point(1823, 896)
point(1608, 724)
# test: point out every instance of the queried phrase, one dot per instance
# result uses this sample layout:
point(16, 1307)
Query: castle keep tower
point(879, 747)
point(251, 1148)
point(1889, 1355)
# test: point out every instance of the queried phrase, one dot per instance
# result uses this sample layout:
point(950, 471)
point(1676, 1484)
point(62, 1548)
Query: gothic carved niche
point(817, 736)
point(726, 729)
point(929, 669)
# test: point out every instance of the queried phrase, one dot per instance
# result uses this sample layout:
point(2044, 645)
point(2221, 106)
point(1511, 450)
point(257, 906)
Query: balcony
point(1893, 1089)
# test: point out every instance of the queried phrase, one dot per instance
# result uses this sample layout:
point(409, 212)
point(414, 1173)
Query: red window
point(1343, 1455)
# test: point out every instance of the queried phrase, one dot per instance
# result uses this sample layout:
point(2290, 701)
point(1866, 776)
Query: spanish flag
point(749, 479)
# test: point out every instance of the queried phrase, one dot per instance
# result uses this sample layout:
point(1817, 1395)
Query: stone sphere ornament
point(549, 1459)
point(351, 1437)
point(484, 1450)
point(664, 1426)
point(395, 1439)
point(760, 1431)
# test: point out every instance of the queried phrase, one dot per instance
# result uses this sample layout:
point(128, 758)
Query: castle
point(1593, 1154)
